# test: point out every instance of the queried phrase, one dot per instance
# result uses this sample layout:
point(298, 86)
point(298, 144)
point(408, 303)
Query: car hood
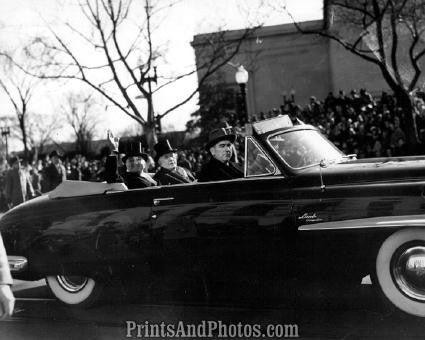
point(390, 169)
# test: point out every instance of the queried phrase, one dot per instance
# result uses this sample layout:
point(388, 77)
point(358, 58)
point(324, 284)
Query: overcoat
point(134, 180)
point(18, 186)
point(215, 170)
point(168, 177)
point(131, 180)
point(53, 176)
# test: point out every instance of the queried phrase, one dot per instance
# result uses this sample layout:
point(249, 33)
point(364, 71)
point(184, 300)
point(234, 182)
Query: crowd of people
point(357, 124)
point(45, 173)
point(21, 180)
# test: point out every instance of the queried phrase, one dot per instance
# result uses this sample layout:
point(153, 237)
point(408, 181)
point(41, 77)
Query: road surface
point(342, 315)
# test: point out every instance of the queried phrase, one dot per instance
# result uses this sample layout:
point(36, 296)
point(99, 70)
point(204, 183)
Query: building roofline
point(264, 31)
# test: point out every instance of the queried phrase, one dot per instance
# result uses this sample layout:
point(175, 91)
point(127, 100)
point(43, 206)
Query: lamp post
point(5, 132)
point(241, 77)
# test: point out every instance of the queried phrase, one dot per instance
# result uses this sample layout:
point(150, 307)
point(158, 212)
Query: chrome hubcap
point(72, 284)
point(408, 271)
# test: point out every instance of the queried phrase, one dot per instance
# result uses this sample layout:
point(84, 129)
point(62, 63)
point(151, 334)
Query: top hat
point(163, 147)
point(134, 149)
point(14, 159)
point(53, 154)
point(223, 132)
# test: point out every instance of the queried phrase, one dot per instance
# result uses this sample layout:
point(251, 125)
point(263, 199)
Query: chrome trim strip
point(162, 199)
point(157, 201)
point(367, 223)
point(16, 263)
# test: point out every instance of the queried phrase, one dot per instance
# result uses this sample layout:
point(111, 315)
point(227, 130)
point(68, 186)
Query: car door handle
point(157, 201)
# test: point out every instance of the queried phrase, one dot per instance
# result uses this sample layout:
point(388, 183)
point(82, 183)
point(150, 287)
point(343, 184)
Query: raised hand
point(112, 141)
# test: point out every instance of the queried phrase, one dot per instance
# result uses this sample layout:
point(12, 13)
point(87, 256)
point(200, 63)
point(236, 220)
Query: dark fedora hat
point(134, 149)
point(53, 154)
point(223, 132)
point(163, 147)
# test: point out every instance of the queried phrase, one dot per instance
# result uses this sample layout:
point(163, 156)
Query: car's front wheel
point(75, 290)
point(400, 271)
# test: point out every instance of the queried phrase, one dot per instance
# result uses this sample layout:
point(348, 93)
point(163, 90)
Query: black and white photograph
point(212, 169)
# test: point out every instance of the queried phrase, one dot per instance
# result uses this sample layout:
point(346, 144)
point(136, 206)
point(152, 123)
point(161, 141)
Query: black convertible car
point(303, 209)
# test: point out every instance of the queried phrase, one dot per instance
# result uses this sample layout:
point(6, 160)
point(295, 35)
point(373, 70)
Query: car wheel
point(400, 271)
point(75, 290)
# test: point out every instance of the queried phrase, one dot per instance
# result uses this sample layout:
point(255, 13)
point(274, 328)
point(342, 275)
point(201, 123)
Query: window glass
point(304, 148)
point(257, 162)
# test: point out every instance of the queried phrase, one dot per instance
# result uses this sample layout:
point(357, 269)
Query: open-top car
point(303, 209)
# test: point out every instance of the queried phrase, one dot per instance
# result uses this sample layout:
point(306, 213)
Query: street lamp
point(241, 77)
point(5, 132)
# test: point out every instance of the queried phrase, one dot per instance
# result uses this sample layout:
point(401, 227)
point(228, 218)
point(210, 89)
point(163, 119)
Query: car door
point(244, 230)
point(174, 243)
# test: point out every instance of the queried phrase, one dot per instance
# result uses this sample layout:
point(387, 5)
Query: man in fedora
point(18, 184)
point(55, 172)
point(220, 145)
point(135, 163)
point(169, 173)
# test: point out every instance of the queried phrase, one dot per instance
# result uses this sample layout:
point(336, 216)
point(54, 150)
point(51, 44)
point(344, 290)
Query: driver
point(220, 145)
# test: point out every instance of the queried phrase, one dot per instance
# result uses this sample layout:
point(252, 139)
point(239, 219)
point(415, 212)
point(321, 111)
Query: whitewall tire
point(400, 271)
point(78, 291)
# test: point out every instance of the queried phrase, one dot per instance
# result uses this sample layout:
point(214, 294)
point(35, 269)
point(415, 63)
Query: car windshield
point(303, 148)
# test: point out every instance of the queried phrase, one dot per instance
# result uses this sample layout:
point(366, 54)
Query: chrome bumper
point(17, 263)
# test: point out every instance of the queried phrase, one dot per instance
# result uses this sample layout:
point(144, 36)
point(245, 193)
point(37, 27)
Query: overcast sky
point(20, 19)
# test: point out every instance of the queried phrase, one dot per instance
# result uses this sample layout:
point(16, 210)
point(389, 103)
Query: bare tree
point(40, 131)
point(19, 88)
point(79, 113)
point(387, 33)
point(121, 43)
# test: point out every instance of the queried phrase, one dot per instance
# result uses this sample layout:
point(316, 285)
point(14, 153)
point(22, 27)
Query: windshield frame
point(301, 128)
point(276, 168)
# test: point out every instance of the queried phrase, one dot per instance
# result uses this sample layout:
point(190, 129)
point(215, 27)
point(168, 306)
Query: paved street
point(341, 316)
